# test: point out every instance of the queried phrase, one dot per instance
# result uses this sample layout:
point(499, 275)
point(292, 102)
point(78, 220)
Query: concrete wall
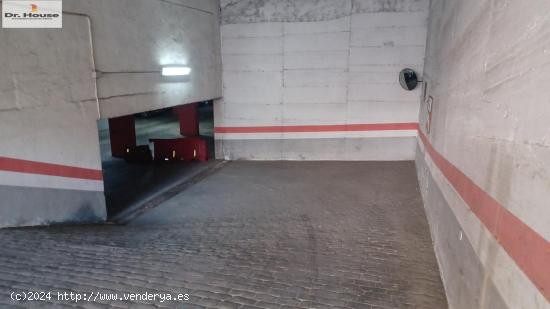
point(297, 74)
point(50, 167)
point(484, 165)
point(134, 39)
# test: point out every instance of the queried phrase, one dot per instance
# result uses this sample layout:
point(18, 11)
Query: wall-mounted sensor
point(176, 71)
point(408, 79)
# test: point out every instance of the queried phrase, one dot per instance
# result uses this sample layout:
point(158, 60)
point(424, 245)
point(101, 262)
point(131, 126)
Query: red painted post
point(189, 119)
point(122, 131)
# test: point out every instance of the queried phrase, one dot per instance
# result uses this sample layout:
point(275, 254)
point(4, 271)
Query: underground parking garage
point(143, 155)
point(274, 154)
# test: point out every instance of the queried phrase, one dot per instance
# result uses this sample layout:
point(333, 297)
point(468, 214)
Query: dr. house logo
point(32, 14)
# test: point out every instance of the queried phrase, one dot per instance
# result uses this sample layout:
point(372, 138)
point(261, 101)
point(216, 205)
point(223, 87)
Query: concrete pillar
point(189, 119)
point(122, 131)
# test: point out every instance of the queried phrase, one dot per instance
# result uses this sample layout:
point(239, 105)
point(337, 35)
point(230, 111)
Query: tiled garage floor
point(252, 235)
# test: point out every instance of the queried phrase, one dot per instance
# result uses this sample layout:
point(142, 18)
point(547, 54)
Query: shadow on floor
point(129, 185)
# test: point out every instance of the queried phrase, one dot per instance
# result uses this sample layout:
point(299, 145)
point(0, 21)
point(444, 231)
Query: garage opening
point(147, 153)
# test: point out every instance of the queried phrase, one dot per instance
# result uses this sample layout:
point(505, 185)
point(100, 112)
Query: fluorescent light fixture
point(176, 71)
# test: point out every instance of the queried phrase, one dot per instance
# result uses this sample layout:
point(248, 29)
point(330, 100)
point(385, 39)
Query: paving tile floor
point(251, 235)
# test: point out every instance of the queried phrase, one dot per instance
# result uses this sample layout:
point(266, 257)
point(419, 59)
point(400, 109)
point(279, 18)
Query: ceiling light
point(176, 71)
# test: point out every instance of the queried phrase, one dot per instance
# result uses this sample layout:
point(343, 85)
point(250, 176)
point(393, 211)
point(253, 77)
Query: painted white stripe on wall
point(316, 135)
point(51, 182)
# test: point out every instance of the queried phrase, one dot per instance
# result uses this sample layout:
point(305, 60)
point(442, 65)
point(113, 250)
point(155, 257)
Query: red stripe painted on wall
point(320, 128)
point(40, 168)
point(525, 246)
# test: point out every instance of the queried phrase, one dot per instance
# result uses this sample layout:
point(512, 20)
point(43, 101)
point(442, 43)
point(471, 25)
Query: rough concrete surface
point(350, 149)
point(106, 60)
point(48, 114)
point(132, 41)
point(464, 275)
point(487, 70)
point(316, 63)
point(58, 206)
point(245, 11)
point(252, 235)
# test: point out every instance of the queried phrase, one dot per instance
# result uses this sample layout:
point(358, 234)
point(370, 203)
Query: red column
point(122, 131)
point(189, 119)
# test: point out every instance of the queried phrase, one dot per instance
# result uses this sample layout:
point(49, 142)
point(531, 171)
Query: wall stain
point(257, 11)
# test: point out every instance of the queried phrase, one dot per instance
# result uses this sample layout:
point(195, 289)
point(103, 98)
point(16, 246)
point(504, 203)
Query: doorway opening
point(145, 154)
